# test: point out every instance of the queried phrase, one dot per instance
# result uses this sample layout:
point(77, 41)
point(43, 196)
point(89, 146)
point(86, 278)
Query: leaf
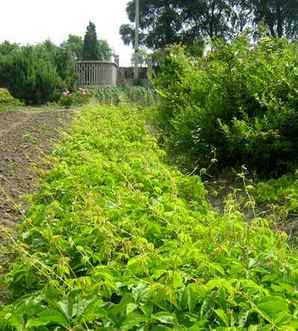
point(131, 307)
point(133, 320)
point(165, 318)
point(221, 283)
point(48, 317)
point(223, 316)
point(274, 309)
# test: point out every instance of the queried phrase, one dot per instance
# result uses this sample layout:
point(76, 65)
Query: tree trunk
point(279, 19)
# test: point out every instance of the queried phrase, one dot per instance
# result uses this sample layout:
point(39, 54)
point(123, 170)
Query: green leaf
point(165, 318)
point(223, 316)
point(131, 307)
point(274, 309)
point(133, 320)
point(48, 317)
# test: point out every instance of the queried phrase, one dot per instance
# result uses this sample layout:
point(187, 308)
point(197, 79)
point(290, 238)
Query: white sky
point(32, 21)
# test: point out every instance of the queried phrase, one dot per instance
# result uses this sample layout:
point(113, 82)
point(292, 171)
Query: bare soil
point(25, 138)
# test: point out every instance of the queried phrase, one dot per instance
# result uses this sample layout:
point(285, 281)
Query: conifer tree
point(91, 47)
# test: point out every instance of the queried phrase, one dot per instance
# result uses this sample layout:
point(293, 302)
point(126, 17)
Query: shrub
point(240, 99)
point(38, 74)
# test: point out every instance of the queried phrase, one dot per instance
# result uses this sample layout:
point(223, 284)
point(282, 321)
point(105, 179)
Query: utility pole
point(136, 60)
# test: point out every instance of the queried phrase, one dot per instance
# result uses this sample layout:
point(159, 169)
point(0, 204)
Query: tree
point(90, 48)
point(74, 44)
point(6, 48)
point(280, 16)
point(104, 50)
point(94, 49)
point(164, 22)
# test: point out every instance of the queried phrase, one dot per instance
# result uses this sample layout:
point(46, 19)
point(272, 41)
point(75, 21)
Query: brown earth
point(25, 138)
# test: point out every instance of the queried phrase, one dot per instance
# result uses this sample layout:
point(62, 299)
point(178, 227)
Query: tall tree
point(165, 22)
point(90, 48)
point(280, 16)
point(94, 49)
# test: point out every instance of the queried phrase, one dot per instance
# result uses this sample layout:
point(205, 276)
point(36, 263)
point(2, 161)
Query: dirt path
point(25, 136)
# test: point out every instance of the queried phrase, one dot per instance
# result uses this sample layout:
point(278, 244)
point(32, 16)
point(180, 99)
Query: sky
point(33, 21)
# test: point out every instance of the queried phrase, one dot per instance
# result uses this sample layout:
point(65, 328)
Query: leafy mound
point(7, 99)
point(118, 240)
point(240, 99)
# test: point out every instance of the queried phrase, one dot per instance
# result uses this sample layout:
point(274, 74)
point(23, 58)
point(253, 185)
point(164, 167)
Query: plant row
point(116, 239)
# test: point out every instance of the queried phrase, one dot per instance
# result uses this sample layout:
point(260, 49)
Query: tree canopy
point(94, 49)
point(74, 44)
point(164, 22)
point(280, 16)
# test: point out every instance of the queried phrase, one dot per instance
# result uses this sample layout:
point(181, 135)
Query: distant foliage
point(36, 74)
point(240, 99)
point(164, 23)
point(133, 94)
point(74, 44)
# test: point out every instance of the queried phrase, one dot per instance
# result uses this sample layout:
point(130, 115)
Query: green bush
point(240, 99)
point(36, 74)
point(118, 240)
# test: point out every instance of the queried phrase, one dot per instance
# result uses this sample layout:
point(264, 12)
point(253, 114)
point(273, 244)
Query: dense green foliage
point(36, 74)
point(133, 94)
point(94, 49)
point(240, 100)
point(118, 240)
point(167, 22)
point(74, 44)
point(179, 21)
point(283, 190)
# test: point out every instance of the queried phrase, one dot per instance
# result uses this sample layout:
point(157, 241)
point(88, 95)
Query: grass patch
point(118, 240)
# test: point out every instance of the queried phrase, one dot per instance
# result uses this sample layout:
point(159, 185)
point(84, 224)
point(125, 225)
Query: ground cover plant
point(241, 99)
point(116, 239)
